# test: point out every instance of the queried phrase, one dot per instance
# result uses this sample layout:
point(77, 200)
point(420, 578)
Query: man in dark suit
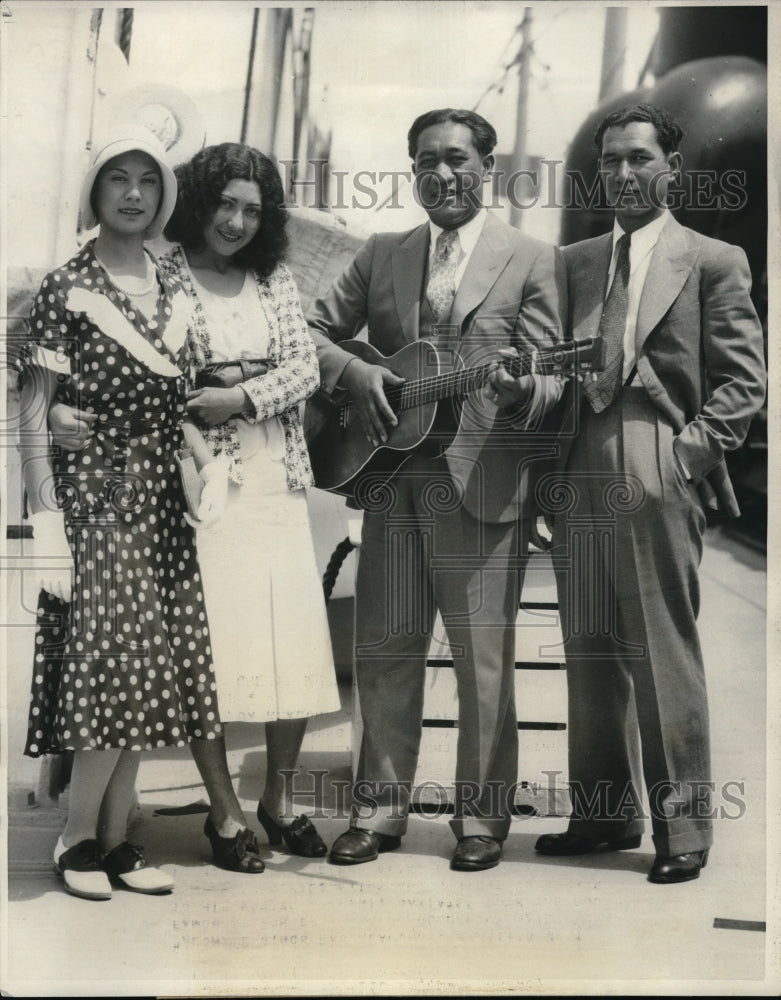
point(684, 376)
point(450, 532)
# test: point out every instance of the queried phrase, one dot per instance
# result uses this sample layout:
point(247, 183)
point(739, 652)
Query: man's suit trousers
point(627, 547)
point(421, 552)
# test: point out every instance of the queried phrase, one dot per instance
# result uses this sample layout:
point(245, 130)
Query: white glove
point(50, 544)
point(214, 497)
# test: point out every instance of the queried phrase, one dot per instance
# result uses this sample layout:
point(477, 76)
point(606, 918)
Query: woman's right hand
point(50, 545)
point(214, 497)
point(213, 406)
point(71, 428)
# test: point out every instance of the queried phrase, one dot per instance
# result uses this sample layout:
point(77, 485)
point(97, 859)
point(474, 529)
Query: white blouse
point(238, 328)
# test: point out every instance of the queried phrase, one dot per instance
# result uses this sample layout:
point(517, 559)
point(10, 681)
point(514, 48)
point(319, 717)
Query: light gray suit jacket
point(512, 294)
point(700, 353)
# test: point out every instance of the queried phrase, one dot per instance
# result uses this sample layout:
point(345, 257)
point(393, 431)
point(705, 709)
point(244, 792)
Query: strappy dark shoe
point(235, 854)
point(301, 836)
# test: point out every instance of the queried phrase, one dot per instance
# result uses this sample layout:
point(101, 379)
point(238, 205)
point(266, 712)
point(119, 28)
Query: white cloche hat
point(124, 139)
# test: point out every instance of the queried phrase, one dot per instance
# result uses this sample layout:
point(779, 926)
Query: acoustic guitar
point(426, 406)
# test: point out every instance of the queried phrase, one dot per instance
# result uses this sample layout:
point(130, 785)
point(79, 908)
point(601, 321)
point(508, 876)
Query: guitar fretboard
point(565, 359)
point(437, 387)
point(467, 380)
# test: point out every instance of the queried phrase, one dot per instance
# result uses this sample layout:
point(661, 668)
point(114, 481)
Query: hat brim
point(128, 140)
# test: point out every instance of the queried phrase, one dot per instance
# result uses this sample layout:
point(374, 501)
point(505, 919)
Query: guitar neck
point(459, 383)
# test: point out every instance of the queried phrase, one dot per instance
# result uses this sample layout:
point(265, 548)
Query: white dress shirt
point(468, 235)
point(641, 250)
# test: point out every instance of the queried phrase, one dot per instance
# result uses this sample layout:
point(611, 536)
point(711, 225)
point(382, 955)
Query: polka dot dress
point(128, 663)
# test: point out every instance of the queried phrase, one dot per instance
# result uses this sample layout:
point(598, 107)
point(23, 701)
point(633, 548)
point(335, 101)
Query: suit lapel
point(589, 282)
point(408, 265)
point(671, 263)
point(491, 253)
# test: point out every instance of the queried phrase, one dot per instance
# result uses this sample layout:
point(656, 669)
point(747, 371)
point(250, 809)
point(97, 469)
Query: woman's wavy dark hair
point(201, 183)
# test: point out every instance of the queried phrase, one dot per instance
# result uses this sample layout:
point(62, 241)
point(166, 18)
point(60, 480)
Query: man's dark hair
point(483, 133)
point(668, 131)
point(201, 183)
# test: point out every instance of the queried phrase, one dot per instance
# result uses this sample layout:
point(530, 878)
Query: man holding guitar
point(446, 524)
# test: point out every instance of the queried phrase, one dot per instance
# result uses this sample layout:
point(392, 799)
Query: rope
point(338, 556)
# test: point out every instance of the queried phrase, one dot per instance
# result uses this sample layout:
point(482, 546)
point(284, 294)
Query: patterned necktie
point(441, 288)
point(611, 327)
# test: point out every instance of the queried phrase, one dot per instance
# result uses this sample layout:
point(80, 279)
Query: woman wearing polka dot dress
point(122, 660)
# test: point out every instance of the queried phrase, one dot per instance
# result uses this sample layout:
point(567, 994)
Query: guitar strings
point(433, 387)
point(443, 384)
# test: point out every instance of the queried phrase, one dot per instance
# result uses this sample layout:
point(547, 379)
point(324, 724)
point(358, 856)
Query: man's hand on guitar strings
point(365, 384)
point(504, 390)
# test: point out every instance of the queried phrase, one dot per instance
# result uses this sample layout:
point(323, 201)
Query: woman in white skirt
point(270, 638)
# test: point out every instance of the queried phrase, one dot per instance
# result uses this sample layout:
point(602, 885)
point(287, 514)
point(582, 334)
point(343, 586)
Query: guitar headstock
point(568, 359)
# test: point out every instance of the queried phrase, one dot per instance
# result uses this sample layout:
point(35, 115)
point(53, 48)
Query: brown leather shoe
point(475, 854)
point(358, 845)
point(566, 844)
point(679, 868)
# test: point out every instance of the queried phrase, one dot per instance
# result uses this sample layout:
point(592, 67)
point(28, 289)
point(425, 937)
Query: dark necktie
point(611, 327)
point(441, 287)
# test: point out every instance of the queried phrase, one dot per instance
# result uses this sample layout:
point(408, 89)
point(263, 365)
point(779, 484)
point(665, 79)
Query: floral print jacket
point(281, 390)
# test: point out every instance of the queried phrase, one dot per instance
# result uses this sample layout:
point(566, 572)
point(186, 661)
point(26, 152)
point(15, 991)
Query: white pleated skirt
point(264, 599)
